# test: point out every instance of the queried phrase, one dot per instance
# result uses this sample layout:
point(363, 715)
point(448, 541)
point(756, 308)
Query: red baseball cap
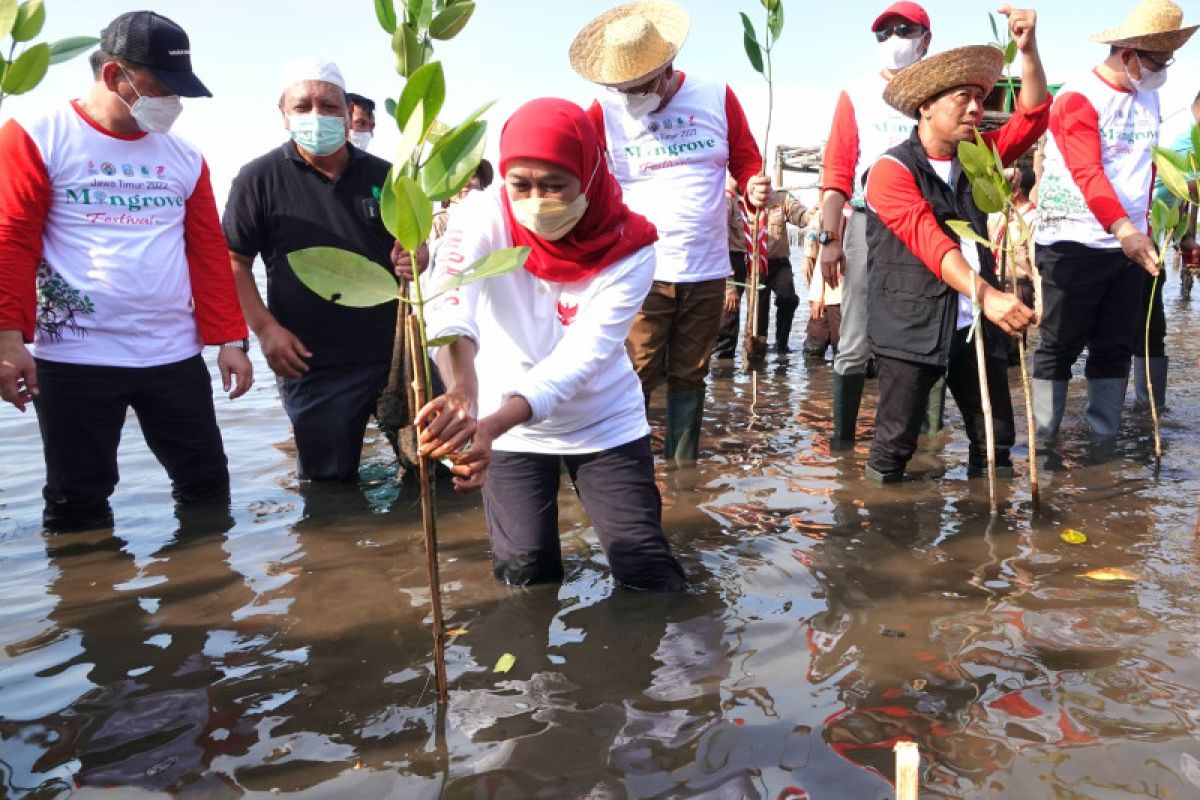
point(909, 11)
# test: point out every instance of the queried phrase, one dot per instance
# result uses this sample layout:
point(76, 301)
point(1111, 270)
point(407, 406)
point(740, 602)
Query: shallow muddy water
point(281, 646)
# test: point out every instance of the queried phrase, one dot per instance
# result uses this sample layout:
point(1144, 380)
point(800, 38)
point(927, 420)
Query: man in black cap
point(362, 120)
point(113, 269)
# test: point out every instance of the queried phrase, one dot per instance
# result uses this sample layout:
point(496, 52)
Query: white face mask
point(641, 105)
point(1151, 80)
point(896, 53)
point(153, 114)
point(361, 139)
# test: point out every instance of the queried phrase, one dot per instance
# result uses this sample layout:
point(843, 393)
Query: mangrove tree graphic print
point(59, 305)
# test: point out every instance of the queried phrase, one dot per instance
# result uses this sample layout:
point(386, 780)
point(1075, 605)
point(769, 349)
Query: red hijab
point(559, 132)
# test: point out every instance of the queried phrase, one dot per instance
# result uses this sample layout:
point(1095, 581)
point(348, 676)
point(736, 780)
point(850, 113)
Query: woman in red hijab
point(539, 376)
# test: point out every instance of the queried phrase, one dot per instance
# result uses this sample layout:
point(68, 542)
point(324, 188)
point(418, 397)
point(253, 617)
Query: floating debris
point(1111, 574)
point(505, 663)
point(1072, 536)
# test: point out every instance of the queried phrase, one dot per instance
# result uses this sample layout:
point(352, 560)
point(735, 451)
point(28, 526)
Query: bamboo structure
point(425, 470)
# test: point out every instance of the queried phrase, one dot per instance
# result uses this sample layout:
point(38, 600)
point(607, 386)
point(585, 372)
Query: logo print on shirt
point(566, 313)
point(160, 170)
point(108, 169)
point(92, 168)
point(127, 170)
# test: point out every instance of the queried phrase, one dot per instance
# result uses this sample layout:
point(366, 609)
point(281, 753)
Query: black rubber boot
point(685, 412)
point(847, 397)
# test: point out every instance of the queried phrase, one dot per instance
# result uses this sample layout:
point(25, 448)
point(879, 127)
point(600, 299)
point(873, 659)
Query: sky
point(514, 50)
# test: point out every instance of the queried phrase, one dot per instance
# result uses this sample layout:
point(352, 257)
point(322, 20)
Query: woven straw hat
point(625, 45)
point(977, 65)
point(1154, 25)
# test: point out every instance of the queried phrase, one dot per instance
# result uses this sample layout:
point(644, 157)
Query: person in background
point(925, 281)
point(782, 209)
point(823, 331)
point(739, 234)
point(671, 139)
point(362, 120)
point(481, 180)
point(1020, 266)
point(1093, 243)
point(863, 127)
point(113, 270)
point(332, 361)
point(539, 377)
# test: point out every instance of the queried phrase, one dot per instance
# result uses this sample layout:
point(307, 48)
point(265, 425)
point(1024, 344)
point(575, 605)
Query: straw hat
point(627, 44)
point(1154, 25)
point(977, 65)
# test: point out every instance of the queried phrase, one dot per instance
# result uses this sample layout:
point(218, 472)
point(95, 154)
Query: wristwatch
point(825, 237)
point(243, 344)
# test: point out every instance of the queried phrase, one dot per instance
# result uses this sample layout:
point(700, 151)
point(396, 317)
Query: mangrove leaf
point(453, 161)
point(964, 231)
point(342, 277)
point(450, 22)
point(8, 17)
point(385, 12)
point(27, 70)
point(425, 89)
point(66, 49)
point(494, 264)
point(31, 16)
point(412, 218)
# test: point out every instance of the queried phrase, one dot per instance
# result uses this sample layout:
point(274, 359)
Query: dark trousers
point(777, 281)
point(1158, 317)
point(823, 333)
point(727, 337)
point(616, 486)
point(81, 410)
point(904, 388)
point(329, 408)
point(1090, 299)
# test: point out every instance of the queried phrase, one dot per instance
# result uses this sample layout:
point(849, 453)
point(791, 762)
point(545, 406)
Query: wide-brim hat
point(627, 44)
point(976, 65)
point(1154, 25)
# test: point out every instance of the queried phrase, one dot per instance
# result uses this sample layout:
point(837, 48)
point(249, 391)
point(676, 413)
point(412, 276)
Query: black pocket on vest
point(908, 311)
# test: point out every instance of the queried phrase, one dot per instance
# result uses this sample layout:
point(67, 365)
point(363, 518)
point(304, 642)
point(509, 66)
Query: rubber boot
point(1158, 376)
point(685, 411)
point(1049, 402)
point(935, 409)
point(1106, 398)
point(847, 397)
point(783, 329)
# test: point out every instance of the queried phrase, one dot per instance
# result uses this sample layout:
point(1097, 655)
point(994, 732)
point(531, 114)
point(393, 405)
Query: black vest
point(913, 314)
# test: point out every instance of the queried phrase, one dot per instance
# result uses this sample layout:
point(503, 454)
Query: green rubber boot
point(685, 413)
point(847, 397)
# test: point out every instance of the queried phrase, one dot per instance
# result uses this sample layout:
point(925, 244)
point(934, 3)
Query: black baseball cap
point(158, 44)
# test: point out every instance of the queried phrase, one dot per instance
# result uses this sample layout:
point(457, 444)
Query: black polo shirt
point(279, 204)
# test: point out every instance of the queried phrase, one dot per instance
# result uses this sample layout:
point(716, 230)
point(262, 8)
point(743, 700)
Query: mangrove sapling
point(434, 163)
point(1168, 226)
point(759, 54)
point(20, 22)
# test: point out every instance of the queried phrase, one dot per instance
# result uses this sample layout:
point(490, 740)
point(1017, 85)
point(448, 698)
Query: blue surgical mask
point(316, 133)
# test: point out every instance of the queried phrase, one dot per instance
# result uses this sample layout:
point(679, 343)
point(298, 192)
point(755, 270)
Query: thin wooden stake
point(985, 397)
point(1150, 378)
point(1030, 424)
point(754, 347)
point(428, 519)
point(908, 764)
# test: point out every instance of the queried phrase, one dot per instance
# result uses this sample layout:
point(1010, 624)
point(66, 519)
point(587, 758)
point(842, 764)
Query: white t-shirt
point(560, 346)
point(880, 127)
point(948, 170)
point(114, 288)
point(672, 165)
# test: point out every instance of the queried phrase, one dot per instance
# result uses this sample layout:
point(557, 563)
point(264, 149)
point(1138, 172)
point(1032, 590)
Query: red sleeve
point(218, 314)
point(893, 194)
point(596, 115)
point(1014, 138)
point(1075, 127)
point(24, 204)
point(841, 151)
point(745, 161)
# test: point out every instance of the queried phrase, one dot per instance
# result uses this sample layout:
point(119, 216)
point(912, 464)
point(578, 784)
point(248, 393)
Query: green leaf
point(66, 49)
point(453, 161)
point(775, 20)
point(1172, 171)
point(407, 48)
point(1010, 51)
point(389, 107)
point(8, 17)
point(450, 22)
point(342, 277)
point(411, 136)
point(385, 12)
point(412, 215)
point(1158, 219)
point(754, 53)
point(1182, 227)
point(1196, 141)
point(987, 197)
point(748, 26)
point(995, 30)
point(31, 16)
point(27, 70)
point(998, 161)
point(418, 13)
point(770, 5)
point(974, 160)
point(425, 89)
point(442, 341)
point(494, 264)
point(964, 231)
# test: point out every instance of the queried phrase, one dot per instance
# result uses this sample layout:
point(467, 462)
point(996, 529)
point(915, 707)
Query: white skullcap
point(312, 69)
